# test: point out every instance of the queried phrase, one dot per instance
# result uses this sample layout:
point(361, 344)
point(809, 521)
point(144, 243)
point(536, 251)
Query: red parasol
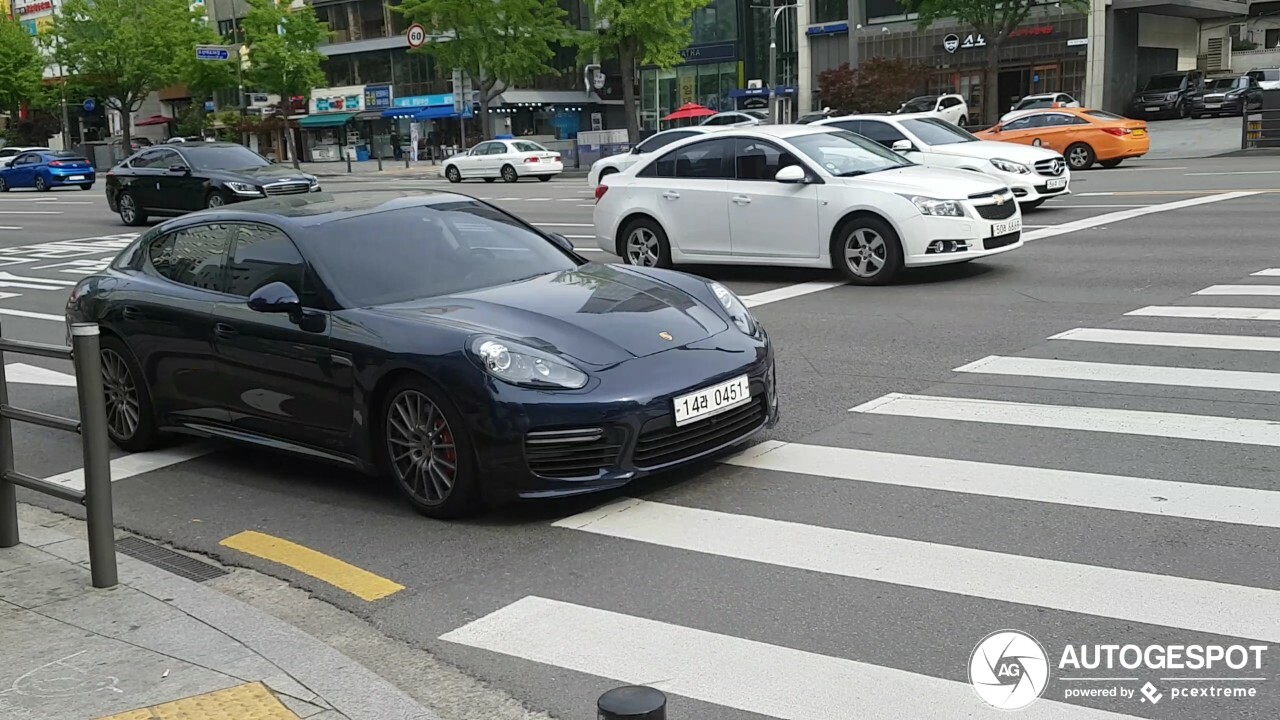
point(689, 110)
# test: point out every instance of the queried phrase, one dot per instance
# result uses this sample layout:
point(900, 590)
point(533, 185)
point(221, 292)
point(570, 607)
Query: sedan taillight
point(531, 159)
point(1118, 132)
point(600, 191)
point(56, 163)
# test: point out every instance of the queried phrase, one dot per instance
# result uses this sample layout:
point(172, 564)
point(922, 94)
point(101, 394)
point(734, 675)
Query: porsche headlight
point(1010, 166)
point(932, 206)
point(519, 364)
point(733, 306)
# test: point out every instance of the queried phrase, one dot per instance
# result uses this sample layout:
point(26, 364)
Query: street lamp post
point(774, 12)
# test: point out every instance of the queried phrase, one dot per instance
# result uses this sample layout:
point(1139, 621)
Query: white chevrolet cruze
point(1034, 174)
point(801, 196)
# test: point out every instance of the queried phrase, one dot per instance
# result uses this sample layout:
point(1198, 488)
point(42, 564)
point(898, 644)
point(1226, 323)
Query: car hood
point(264, 174)
point(989, 150)
point(932, 182)
point(596, 314)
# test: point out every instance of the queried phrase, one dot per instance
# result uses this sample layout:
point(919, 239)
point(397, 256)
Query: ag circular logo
point(1009, 669)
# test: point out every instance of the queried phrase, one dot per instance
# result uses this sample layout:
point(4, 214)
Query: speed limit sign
point(417, 35)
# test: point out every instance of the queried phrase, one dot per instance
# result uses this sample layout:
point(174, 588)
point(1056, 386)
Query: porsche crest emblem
point(666, 336)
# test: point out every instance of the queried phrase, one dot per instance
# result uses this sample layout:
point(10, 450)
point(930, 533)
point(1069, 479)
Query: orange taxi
point(1082, 135)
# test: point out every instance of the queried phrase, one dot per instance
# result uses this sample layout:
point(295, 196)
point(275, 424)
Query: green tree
point(497, 43)
point(650, 32)
point(281, 50)
point(993, 20)
point(125, 53)
point(21, 66)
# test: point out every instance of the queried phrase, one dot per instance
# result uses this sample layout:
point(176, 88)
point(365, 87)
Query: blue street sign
point(212, 52)
point(89, 105)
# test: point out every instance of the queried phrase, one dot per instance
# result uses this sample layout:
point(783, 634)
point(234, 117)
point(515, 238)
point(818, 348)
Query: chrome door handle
point(742, 200)
point(671, 195)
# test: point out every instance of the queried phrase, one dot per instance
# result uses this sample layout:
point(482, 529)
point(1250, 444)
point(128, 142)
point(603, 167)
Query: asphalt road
point(1046, 441)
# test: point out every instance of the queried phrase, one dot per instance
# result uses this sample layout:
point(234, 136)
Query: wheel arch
point(854, 214)
point(619, 235)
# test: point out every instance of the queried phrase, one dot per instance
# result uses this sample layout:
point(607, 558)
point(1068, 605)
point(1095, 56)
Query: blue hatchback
point(47, 169)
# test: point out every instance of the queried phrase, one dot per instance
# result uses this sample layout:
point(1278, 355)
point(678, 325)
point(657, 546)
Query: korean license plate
point(1212, 106)
point(73, 178)
point(1153, 109)
point(709, 401)
point(1056, 183)
point(1006, 227)
point(1139, 133)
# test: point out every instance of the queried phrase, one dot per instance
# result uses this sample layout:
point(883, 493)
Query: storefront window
point(415, 74)
point(716, 21)
point(662, 92)
point(335, 16)
point(825, 11)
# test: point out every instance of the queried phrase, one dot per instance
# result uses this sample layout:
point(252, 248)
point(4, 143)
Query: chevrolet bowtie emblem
point(999, 199)
point(665, 336)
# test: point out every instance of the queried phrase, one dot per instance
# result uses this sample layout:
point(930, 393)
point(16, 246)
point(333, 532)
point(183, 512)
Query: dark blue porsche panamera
point(433, 339)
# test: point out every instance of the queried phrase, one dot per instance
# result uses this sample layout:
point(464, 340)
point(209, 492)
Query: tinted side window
point(498, 149)
point(662, 140)
point(1021, 123)
point(194, 256)
point(166, 159)
point(707, 160)
point(145, 160)
point(853, 126)
point(263, 254)
point(883, 133)
point(759, 160)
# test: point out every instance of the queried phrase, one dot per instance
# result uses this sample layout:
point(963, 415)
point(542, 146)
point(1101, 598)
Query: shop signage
point(1038, 31)
point(953, 42)
point(377, 97)
point(828, 29)
point(423, 100)
point(35, 7)
point(1077, 42)
point(709, 53)
point(339, 99)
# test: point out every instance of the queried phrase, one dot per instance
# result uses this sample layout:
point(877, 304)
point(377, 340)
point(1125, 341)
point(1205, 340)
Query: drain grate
point(166, 559)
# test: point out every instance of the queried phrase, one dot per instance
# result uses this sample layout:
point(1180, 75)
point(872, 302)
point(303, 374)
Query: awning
point(419, 113)
point(155, 120)
point(326, 120)
point(370, 115)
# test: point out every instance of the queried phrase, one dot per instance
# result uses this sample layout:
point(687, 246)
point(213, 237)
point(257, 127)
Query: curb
point(352, 689)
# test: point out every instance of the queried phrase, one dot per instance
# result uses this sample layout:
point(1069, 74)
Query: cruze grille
point(997, 212)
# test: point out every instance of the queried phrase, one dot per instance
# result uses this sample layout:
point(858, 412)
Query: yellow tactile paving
point(342, 575)
point(252, 701)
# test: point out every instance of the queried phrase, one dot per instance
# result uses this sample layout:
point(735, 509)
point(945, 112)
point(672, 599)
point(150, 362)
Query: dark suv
point(1167, 95)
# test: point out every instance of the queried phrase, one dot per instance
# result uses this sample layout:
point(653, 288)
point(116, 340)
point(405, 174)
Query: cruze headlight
point(933, 206)
point(732, 305)
point(241, 188)
point(1010, 166)
point(520, 364)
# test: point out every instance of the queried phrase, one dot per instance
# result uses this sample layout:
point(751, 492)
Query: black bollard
point(632, 703)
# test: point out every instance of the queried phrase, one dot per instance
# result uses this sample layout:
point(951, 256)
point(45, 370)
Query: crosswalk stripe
point(1166, 600)
point(1239, 431)
point(1171, 339)
point(1214, 503)
point(1240, 290)
point(1269, 272)
point(748, 675)
point(1207, 312)
point(1119, 373)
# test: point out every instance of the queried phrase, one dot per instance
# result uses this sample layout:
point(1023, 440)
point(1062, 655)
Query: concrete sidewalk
point(160, 646)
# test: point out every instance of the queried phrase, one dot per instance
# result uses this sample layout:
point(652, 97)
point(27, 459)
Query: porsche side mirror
point(275, 297)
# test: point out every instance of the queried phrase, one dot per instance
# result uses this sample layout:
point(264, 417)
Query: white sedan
point(506, 159)
point(1034, 174)
point(801, 196)
point(606, 166)
point(951, 108)
point(7, 154)
point(1039, 102)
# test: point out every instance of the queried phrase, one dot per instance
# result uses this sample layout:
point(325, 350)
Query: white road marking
point(566, 199)
point(1234, 172)
point(9, 227)
point(1214, 503)
point(581, 237)
point(1176, 602)
point(32, 315)
point(786, 293)
point(551, 224)
point(30, 212)
point(1239, 290)
point(1067, 206)
point(535, 199)
point(1208, 312)
point(33, 375)
point(1171, 339)
point(1129, 214)
point(127, 466)
point(590, 205)
point(1238, 431)
point(1269, 272)
point(748, 675)
point(1120, 373)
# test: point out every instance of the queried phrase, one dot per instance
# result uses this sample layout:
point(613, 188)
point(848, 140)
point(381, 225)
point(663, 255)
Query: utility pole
point(775, 11)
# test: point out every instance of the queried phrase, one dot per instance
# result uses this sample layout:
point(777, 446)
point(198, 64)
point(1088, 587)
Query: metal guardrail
point(1261, 129)
point(91, 427)
point(633, 702)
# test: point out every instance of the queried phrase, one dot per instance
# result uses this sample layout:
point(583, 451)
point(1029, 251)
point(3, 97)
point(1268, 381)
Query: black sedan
point(433, 339)
point(1227, 96)
point(180, 178)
